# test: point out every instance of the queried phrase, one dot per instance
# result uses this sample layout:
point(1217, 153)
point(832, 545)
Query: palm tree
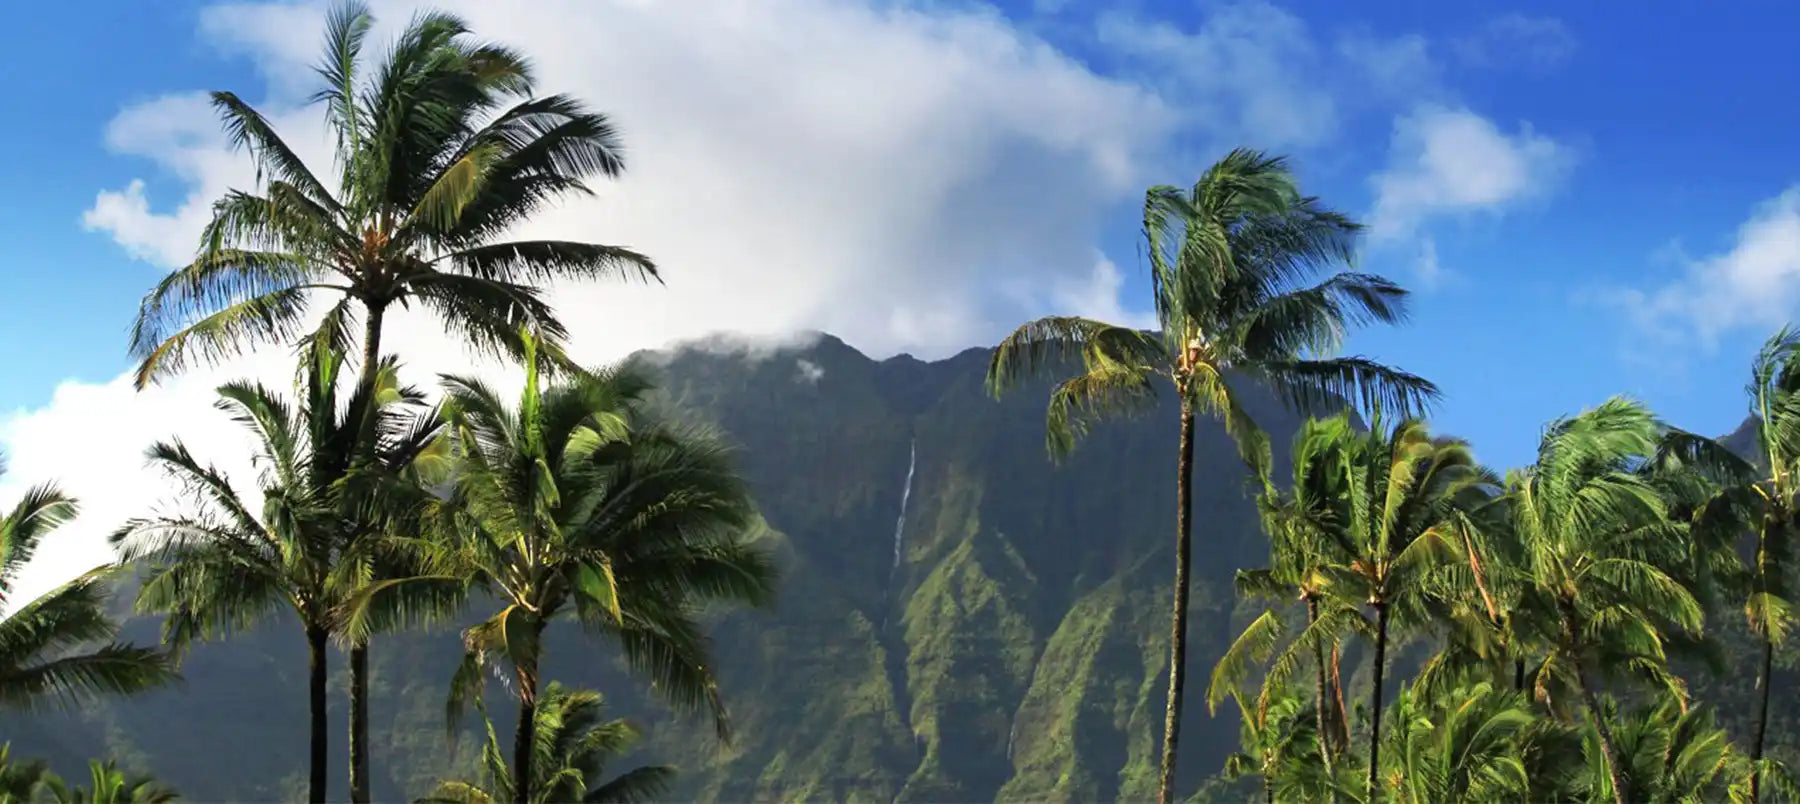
point(1486, 635)
point(110, 786)
point(1280, 748)
point(441, 151)
point(577, 499)
point(1402, 516)
point(430, 179)
point(1670, 753)
point(1297, 522)
point(219, 568)
point(1229, 261)
point(1599, 547)
point(1762, 497)
point(47, 648)
point(1478, 742)
point(1468, 746)
point(574, 745)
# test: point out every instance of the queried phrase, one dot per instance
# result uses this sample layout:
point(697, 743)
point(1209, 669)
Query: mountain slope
point(960, 619)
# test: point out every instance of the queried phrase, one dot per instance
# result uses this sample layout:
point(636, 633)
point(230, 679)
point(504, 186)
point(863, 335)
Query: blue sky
point(1658, 134)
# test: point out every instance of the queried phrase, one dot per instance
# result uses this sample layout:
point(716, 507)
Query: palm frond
point(1368, 386)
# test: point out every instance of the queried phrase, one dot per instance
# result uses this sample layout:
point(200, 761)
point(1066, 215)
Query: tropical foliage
point(572, 746)
point(1233, 264)
point(59, 647)
point(215, 567)
point(576, 500)
point(1554, 610)
point(442, 149)
point(32, 781)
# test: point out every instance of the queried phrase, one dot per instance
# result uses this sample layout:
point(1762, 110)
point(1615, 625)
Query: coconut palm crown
point(441, 150)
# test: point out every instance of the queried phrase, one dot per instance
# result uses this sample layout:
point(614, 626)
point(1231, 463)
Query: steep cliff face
point(960, 619)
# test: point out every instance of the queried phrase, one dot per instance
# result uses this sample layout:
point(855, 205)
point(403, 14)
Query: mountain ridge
point(1010, 643)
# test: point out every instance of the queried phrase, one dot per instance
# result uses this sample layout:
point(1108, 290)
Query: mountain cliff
point(959, 620)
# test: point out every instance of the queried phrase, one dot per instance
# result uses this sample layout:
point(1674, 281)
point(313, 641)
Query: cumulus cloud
point(867, 170)
point(1447, 162)
point(1249, 70)
point(1514, 40)
point(1756, 283)
point(1097, 296)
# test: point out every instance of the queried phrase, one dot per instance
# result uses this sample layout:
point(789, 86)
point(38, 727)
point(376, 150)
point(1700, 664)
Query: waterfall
point(912, 462)
point(895, 645)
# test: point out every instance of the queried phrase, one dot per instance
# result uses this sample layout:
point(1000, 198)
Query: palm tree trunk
point(1606, 740)
point(1184, 475)
point(315, 687)
point(1764, 680)
point(1323, 695)
point(359, 654)
point(1381, 624)
point(372, 341)
point(1340, 722)
point(525, 731)
point(359, 724)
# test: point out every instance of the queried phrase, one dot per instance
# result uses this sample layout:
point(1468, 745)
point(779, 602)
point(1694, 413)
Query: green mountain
point(960, 620)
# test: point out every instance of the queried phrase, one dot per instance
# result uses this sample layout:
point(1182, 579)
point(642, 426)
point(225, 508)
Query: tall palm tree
point(440, 151)
point(218, 567)
point(1600, 557)
point(574, 745)
point(576, 499)
point(1230, 260)
point(48, 647)
point(1761, 496)
point(1402, 517)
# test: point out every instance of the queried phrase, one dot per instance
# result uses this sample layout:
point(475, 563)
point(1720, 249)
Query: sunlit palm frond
point(1059, 341)
point(274, 317)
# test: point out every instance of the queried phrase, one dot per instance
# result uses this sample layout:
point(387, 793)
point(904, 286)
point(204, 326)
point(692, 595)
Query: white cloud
point(1536, 44)
point(90, 440)
point(1097, 296)
point(1400, 67)
point(1451, 162)
point(1754, 284)
point(809, 372)
point(1250, 70)
point(794, 164)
